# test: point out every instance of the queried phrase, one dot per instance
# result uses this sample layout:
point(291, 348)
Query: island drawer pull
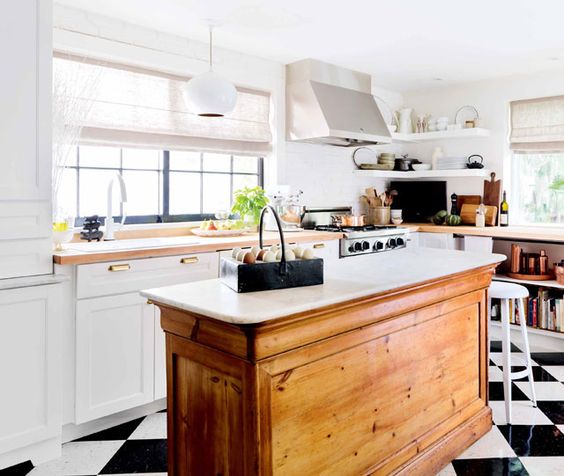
point(318, 246)
point(149, 302)
point(119, 267)
point(189, 260)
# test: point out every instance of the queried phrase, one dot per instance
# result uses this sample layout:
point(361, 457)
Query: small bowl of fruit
point(223, 228)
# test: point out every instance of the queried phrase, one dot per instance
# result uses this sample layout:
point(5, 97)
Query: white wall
point(324, 173)
point(491, 98)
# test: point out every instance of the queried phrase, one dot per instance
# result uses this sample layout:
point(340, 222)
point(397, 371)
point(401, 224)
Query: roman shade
point(537, 124)
point(140, 108)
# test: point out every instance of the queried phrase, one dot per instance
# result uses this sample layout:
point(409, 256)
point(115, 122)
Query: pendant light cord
point(211, 48)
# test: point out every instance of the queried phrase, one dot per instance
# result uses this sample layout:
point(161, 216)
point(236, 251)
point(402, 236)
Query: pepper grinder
point(453, 206)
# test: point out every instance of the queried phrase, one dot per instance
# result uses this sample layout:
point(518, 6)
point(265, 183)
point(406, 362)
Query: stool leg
point(506, 356)
point(527, 349)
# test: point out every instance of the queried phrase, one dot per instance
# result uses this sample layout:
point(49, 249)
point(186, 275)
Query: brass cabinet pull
point(190, 260)
point(119, 267)
point(318, 246)
point(149, 302)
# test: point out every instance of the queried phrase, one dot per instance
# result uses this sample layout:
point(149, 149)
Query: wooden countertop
point(98, 252)
point(510, 232)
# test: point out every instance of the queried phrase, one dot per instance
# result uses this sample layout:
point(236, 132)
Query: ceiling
point(404, 44)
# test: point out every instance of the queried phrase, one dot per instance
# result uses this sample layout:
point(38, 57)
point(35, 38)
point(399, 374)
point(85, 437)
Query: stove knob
point(365, 246)
point(391, 243)
point(400, 242)
point(378, 246)
point(351, 248)
point(358, 246)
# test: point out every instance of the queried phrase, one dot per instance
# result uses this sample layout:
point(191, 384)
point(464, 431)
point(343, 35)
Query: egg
point(290, 256)
point(269, 257)
point(274, 248)
point(308, 254)
point(260, 255)
point(255, 250)
point(235, 252)
point(249, 258)
point(241, 255)
point(298, 252)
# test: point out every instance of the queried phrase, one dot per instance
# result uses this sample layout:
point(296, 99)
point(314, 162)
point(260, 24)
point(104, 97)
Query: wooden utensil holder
point(261, 276)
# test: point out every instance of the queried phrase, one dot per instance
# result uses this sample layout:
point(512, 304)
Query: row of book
point(544, 311)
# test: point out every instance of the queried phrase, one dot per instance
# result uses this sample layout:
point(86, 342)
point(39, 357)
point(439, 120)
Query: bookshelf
point(550, 286)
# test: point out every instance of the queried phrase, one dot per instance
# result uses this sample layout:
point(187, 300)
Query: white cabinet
point(30, 370)
point(444, 241)
point(328, 250)
point(115, 352)
point(120, 345)
point(25, 139)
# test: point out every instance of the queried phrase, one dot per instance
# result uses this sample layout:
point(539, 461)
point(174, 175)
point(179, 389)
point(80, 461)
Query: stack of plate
point(451, 163)
point(386, 160)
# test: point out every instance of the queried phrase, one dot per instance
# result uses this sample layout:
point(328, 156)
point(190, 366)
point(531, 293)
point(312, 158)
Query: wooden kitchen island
point(381, 370)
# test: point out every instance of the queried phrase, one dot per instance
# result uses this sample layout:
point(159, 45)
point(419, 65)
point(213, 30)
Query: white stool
point(505, 292)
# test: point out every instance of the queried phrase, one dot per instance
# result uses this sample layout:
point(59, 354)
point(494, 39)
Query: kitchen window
point(537, 166)
point(162, 185)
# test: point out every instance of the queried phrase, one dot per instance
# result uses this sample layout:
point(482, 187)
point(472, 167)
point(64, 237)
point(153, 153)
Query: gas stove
point(368, 239)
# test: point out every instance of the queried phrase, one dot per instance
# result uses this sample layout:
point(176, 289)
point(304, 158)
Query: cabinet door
point(328, 250)
point(30, 367)
point(115, 355)
point(25, 139)
point(443, 241)
point(160, 357)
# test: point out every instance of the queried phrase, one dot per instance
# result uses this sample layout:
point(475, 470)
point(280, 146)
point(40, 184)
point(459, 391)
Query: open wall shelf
point(441, 135)
point(424, 173)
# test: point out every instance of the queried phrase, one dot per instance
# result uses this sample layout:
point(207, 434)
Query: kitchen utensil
point(403, 164)
point(470, 199)
point(379, 215)
point(466, 113)
point(559, 272)
point(475, 161)
point(515, 264)
point(421, 166)
point(492, 191)
point(349, 220)
point(403, 119)
point(363, 156)
point(531, 277)
point(468, 214)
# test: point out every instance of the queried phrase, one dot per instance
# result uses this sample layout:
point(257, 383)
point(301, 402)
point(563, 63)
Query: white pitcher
point(403, 118)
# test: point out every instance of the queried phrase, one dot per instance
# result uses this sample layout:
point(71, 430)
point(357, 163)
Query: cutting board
point(492, 191)
point(468, 214)
point(470, 199)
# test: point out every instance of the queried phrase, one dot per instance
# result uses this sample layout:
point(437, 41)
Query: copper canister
point(515, 264)
point(543, 262)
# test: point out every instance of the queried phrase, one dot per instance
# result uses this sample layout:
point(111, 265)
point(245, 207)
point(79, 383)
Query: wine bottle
point(504, 213)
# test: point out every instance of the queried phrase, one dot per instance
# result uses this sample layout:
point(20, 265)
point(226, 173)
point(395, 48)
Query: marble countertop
point(345, 279)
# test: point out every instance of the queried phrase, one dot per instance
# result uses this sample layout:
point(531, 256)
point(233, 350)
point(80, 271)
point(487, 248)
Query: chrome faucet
point(111, 225)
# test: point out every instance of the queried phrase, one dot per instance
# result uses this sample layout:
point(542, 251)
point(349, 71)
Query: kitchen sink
point(122, 245)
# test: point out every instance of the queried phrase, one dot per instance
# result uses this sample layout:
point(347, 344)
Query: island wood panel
point(374, 399)
point(211, 411)
point(423, 368)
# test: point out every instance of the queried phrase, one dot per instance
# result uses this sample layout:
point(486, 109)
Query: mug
point(396, 213)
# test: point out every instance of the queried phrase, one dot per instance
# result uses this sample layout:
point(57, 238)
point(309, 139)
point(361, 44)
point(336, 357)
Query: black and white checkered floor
point(532, 445)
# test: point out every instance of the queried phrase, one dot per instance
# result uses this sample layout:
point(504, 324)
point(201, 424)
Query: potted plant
point(248, 203)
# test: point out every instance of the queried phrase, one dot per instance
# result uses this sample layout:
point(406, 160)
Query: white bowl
point(397, 221)
point(421, 166)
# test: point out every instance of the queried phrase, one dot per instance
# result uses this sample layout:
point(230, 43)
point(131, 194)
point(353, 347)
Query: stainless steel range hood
point(331, 105)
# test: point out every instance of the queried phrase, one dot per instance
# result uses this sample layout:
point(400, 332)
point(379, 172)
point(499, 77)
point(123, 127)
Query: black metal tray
point(260, 276)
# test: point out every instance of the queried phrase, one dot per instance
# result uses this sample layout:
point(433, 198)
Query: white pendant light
point(209, 94)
